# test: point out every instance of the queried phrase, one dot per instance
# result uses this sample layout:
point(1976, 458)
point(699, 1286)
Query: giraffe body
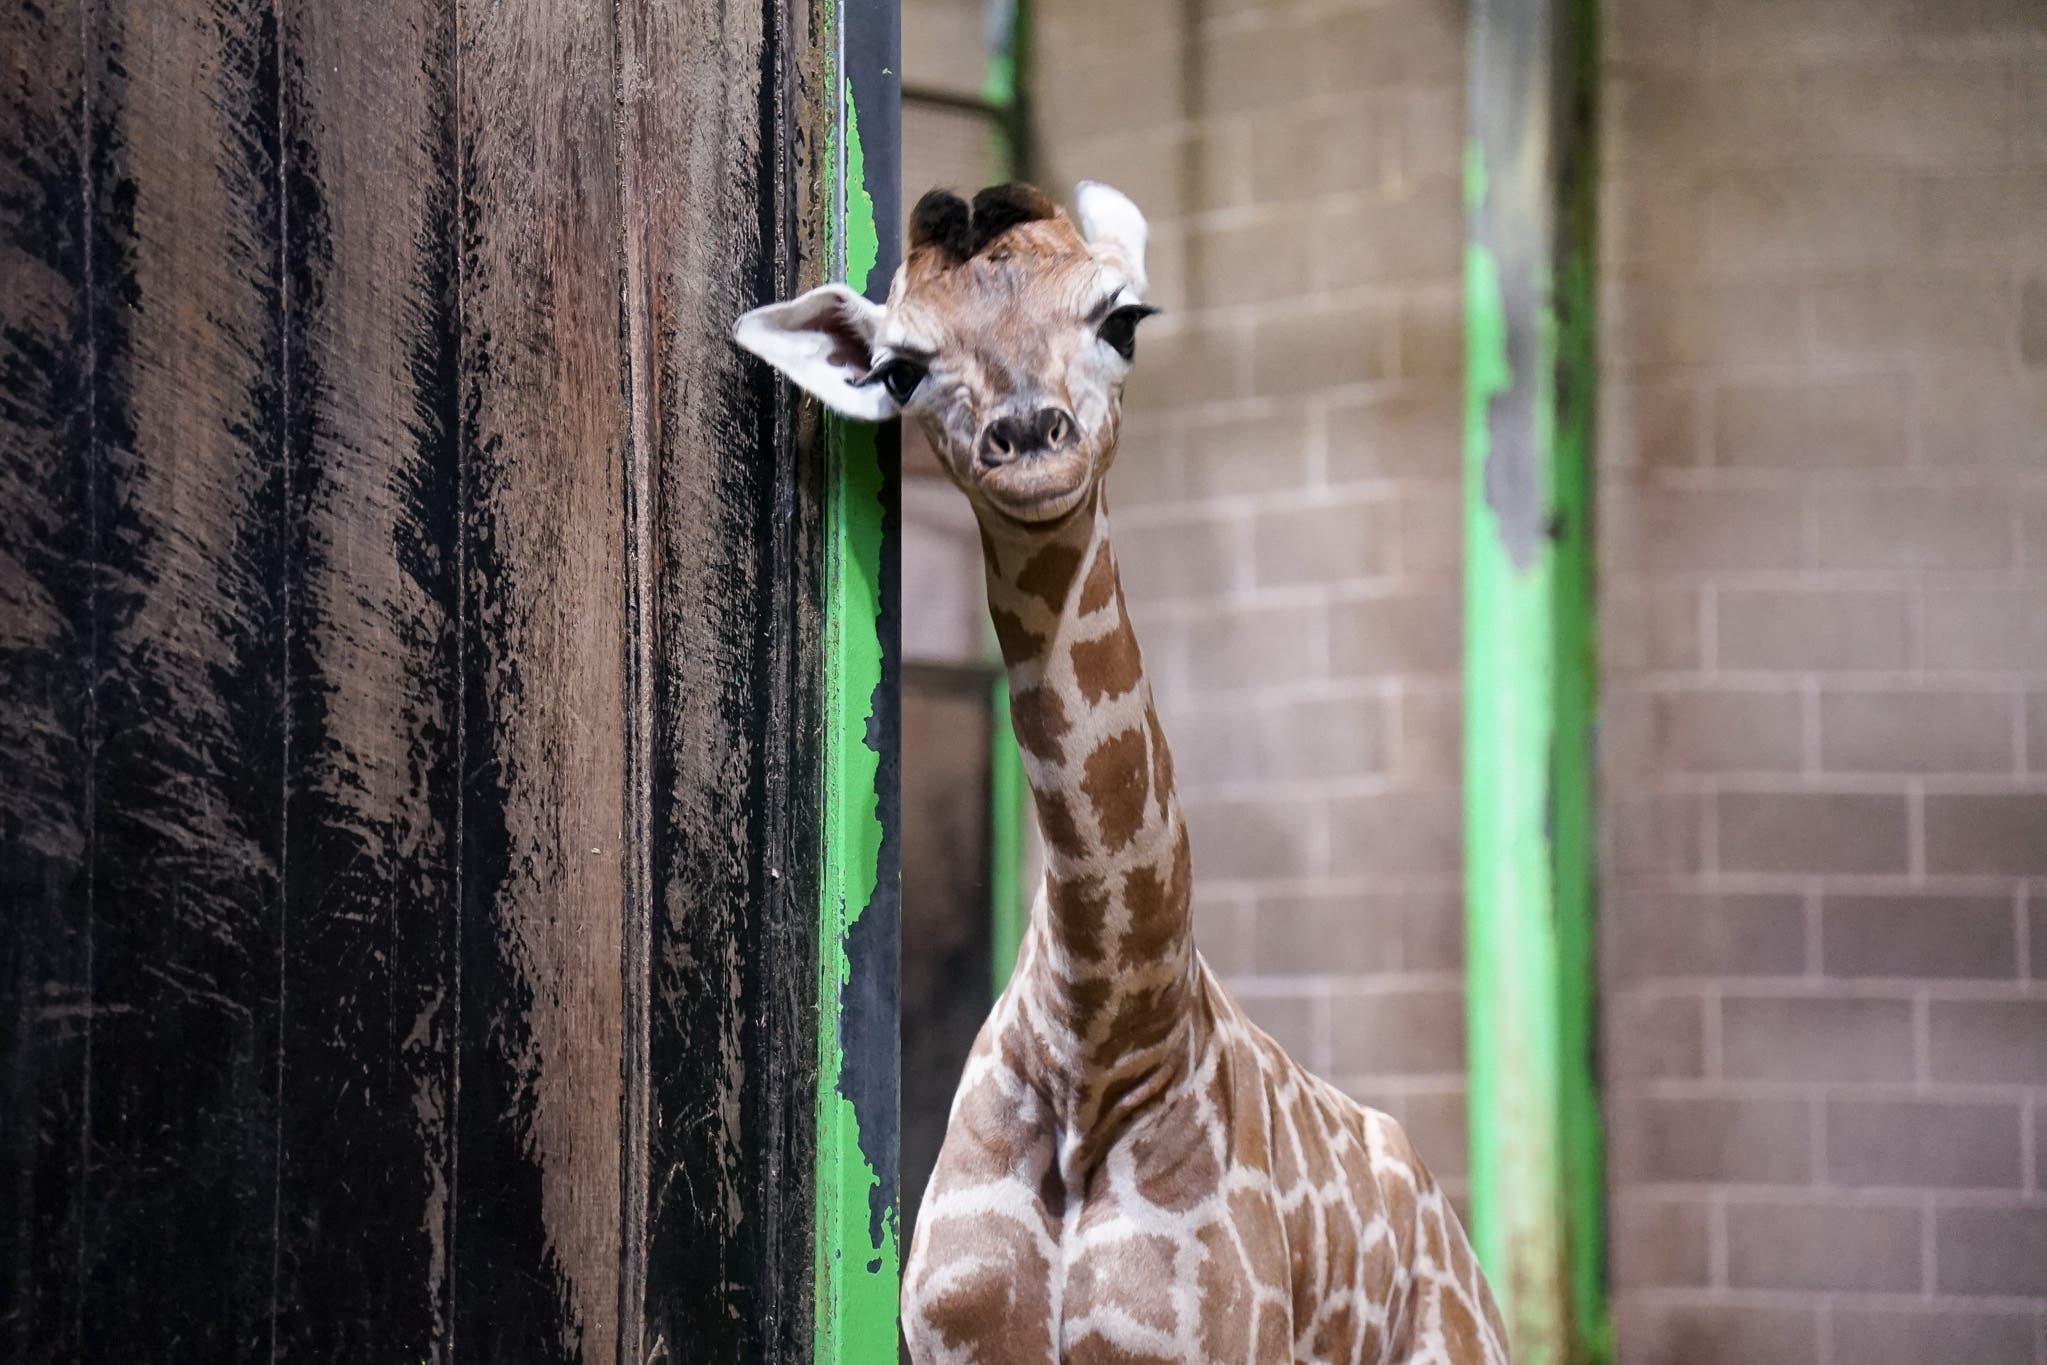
point(1133, 1172)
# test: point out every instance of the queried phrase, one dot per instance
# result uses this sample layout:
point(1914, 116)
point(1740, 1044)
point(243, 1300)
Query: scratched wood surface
point(407, 672)
point(721, 123)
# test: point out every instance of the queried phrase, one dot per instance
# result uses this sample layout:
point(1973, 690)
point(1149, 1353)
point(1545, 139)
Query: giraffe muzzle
point(1047, 431)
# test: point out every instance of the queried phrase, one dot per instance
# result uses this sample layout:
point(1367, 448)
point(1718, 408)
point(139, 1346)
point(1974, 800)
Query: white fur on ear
point(824, 342)
point(1112, 225)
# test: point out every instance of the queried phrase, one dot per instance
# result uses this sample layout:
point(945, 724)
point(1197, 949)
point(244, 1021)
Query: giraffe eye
point(1119, 329)
point(900, 377)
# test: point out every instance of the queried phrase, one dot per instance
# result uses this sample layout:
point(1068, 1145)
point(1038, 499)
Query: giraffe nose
point(1018, 437)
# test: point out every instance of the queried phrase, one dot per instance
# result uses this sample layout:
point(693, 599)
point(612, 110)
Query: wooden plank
point(721, 110)
point(187, 826)
point(366, 1056)
point(46, 584)
point(537, 1213)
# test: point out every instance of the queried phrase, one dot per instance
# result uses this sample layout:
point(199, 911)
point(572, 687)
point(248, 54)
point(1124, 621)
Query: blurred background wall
point(1823, 486)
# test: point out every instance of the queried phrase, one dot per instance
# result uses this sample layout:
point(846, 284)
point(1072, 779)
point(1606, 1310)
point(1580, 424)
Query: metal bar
point(859, 969)
point(1530, 674)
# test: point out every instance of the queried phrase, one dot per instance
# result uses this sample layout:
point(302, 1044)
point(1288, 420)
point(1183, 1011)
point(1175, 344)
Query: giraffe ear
point(823, 341)
point(1115, 229)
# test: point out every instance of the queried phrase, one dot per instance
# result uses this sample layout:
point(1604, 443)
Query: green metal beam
point(858, 988)
point(1530, 672)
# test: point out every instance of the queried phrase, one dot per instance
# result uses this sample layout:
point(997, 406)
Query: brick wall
point(1824, 492)
point(1286, 503)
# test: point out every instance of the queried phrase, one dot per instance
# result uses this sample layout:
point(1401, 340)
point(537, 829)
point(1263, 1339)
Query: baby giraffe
point(1133, 1171)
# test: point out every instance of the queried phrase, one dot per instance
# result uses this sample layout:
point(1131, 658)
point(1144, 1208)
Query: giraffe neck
point(1107, 969)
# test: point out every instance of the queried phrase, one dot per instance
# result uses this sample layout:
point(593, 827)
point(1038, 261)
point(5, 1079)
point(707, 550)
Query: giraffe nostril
point(1055, 429)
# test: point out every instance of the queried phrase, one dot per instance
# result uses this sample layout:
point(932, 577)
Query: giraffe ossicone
point(1133, 1171)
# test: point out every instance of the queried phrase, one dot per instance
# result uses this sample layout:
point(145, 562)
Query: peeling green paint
point(1008, 798)
point(1530, 680)
point(857, 1264)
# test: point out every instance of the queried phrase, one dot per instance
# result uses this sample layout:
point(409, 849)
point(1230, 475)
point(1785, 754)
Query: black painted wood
point(410, 656)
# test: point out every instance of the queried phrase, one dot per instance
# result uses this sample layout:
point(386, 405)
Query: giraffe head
point(1007, 336)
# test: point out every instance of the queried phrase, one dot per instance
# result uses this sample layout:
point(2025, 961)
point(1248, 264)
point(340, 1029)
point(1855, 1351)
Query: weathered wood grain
point(713, 99)
point(410, 652)
point(537, 1213)
point(366, 1058)
point(46, 659)
point(181, 1137)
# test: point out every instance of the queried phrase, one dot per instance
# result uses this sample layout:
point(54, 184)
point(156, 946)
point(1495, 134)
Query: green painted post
point(1530, 672)
point(859, 969)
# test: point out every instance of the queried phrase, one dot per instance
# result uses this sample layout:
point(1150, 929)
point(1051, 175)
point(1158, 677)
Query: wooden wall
point(407, 657)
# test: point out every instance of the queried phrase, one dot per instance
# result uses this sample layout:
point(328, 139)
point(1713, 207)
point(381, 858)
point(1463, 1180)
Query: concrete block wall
point(1286, 499)
point(1824, 606)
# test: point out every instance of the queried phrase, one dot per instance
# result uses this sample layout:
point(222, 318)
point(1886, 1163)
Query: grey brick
point(1701, 530)
point(1915, 528)
point(1319, 738)
point(1397, 834)
point(1251, 646)
point(1778, 1038)
point(1242, 456)
point(1918, 935)
point(1656, 320)
point(1320, 348)
point(1652, 422)
point(1653, 834)
point(1653, 1037)
point(1812, 832)
point(1813, 629)
point(1760, 217)
point(1248, 840)
point(1332, 543)
point(1396, 1031)
point(1964, 420)
point(1987, 834)
point(1714, 1141)
point(1990, 1041)
point(2000, 1251)
point(1926, 1144)
point(1916, 732)
point(1669, 1241)
point(1823, 1246)
point(1918, 1336)
point(1359, 933)
point(1412, 630)
point(1714, 935)
point(1654, 1330)
point(1199, 555)
point(1180, 366)
point(1812, 424)
point(1649, 626)
point(1251, 262)
point(1408, 430)
point(1987, 629)
point(1724, 730)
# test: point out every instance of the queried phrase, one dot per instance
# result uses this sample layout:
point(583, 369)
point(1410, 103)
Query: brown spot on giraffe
point(1049, 575)
point(1040, 721)
point(1113, 780)
point(1019, 642)
point(1055, 822)
point(1100, 588)
point(1164, 1169)
point(1108, 667)
point(1080, 909)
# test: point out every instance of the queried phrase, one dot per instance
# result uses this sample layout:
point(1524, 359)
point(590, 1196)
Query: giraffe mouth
point(1036, 489)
